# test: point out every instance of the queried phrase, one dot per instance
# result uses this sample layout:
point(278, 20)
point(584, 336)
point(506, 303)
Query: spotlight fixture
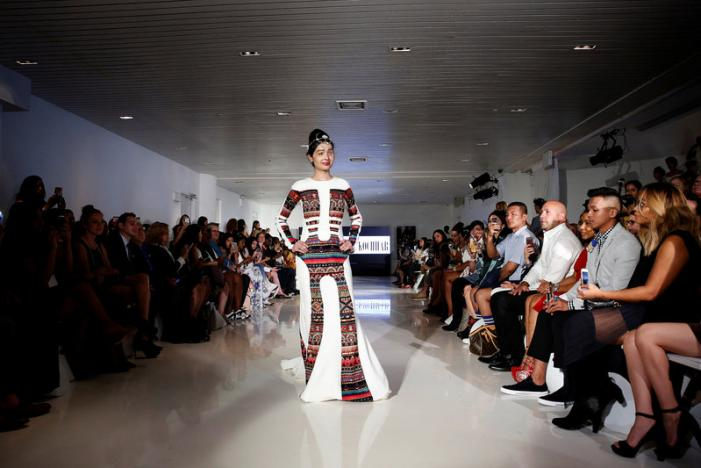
point(249, 53)
point(609, 151)
point(481, 180)
point(486, 193)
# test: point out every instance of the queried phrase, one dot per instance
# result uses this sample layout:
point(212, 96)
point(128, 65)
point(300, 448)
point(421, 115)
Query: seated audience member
point(666, 284)
point(673, 166)
point(232, 227)
point(560, 249)
point(489, 273)
point(459, 262)
point(465, 274)
point(511, 250)
point(632, 188)
point(501, 206)
point(405, 264)
point(658, 173)
point(590, 326)
point(540, 330)
point(442, 258)
point(692, 170)
point(202, 221)
point(179, 229)
point(631, 225)
point(124, 287)
point(680, 184)
point(535, 222)
point(241, 231)
point(286, 275)
point(256, 229)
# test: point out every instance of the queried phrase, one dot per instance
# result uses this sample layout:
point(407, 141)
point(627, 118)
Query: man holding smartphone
point(560, 249)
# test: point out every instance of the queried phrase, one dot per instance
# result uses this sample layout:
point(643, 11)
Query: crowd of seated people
point(91, 289)
point(620, 290)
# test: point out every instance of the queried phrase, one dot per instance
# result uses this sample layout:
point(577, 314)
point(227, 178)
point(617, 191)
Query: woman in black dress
point(667, 282)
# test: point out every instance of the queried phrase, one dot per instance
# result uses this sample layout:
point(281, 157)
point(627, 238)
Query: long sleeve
point(282, 226)
point(355, 216)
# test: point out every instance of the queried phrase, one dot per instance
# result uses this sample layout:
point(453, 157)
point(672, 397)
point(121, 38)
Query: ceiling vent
point(357, 105)
point(358, 159)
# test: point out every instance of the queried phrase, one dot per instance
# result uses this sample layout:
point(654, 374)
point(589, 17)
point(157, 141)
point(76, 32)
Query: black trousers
point(549, 337)
point(506, 308)
point(457, 297)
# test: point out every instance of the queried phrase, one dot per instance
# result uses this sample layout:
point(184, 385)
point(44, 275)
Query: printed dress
point(338, 361)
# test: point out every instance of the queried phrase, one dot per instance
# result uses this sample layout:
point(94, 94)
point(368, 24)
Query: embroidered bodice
point(323, 204)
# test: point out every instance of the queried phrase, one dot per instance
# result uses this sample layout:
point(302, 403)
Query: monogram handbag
point(483, 340)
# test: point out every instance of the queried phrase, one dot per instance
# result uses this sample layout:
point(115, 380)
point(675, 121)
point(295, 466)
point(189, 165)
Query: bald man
point(560, 249)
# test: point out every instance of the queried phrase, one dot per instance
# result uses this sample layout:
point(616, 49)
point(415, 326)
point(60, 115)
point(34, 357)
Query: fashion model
point(337, 359)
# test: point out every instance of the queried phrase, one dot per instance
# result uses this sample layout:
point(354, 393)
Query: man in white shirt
point(560, 249)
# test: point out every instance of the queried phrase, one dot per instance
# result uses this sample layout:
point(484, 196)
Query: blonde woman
point(668, 280)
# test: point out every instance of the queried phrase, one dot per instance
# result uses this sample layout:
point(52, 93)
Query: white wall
point(95, 166)
point(580, 180)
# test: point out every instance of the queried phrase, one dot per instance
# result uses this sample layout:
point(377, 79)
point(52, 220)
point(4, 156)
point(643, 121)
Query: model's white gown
point(337, 359)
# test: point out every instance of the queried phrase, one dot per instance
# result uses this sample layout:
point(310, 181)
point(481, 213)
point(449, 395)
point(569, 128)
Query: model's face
point(516, 218)
point(323, 157)
point(585, 230)
point(95, 224)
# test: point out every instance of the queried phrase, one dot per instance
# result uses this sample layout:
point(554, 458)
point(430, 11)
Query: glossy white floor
point(227, 403)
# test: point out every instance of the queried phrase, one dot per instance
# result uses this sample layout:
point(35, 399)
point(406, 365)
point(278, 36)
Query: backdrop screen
point(372, 254)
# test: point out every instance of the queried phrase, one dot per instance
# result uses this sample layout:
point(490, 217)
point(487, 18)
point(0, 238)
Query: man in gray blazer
point(612, 258)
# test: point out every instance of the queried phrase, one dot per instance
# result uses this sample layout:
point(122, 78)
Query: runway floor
point(227, 403)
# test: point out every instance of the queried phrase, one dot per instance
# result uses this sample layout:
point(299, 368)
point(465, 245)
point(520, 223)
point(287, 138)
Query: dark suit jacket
point(134, 263)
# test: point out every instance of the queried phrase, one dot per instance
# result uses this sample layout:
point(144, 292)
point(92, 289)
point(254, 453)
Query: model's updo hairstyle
point(316, 137)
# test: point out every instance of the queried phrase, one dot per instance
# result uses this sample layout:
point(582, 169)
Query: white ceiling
point(175, 66)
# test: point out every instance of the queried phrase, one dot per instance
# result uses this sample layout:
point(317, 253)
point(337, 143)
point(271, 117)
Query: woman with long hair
point(342, 365)
point(666, 284)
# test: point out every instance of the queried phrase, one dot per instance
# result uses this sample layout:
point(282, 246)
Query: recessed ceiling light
point(585, 47)
point(484, 143)
point(219, 114)
point(386, 145)
point(390, 111)
point(465, 160)
point(400, 49)
point(238, 181)
point(444, 180)
point(126, 117)
point(283, 114)
point(518, 110)
point(26, 62)
point(181, 148)
point(358, 159)
point(352, 105)
point(249, 53)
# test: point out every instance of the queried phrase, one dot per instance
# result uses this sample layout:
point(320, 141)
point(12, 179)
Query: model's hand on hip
point(346, 246)
point(300, 247)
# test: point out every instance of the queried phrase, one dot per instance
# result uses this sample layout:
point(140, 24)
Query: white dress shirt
point(560, 250)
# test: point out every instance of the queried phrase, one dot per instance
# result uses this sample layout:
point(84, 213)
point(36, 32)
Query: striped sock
point(488, 319)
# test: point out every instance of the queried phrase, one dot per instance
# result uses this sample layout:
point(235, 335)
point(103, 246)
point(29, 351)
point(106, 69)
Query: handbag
point(593, 305)
point(483, 340)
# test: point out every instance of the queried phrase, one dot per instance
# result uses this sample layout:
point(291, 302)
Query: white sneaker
point(448, 320)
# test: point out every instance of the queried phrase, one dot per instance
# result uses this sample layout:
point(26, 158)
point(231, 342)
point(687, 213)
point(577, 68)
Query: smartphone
point(585, 277)
point(530, 242)
point(58, 191)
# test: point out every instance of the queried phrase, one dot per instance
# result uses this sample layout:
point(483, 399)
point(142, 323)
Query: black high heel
point(624, 449)
point(590, 411)
point(686, 429)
